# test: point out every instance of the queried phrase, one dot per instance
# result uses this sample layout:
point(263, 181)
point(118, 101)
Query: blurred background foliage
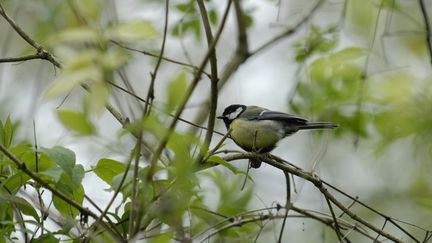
point(363, 64)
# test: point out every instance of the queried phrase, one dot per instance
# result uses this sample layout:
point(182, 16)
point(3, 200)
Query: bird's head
point(231, 113)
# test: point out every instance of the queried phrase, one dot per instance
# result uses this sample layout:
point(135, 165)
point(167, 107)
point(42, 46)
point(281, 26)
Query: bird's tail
point(319, 125)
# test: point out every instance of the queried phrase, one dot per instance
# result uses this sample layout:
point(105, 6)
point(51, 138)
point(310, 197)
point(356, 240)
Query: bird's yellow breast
point(260, 136)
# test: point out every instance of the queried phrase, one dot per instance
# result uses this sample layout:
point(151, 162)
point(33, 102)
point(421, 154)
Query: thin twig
point(150, 93)
point(134, 224)
point(169, 114)
point(167, 59)
point(427, 27)
point(287, 204)
point(336, 225)
point(20, 59)
point(186, 97)
point(291, 30)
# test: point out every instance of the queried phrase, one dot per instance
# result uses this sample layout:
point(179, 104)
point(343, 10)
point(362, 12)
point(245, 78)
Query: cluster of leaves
point(334, 82)
point(56, 166)
point(171, 204)
point(90, 59)
point(337, 88)
point(174, 195)
point(388, 107)
point(190, 21)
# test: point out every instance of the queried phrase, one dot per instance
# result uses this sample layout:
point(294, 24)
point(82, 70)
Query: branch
point(242, 53)
point(427, 27)
point(336, 225)
point(281, 164)
point(167, 59)
point(213, 78)
point(20, 59)
point(44, 54)
point(290, 31)
point(187, 95)
point(287, 204)
point(150, 93)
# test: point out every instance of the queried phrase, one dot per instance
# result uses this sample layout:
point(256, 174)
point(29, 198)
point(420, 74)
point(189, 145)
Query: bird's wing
point(280, 116)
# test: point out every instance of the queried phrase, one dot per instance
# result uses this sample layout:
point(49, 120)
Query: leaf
point(213, 16)
point(184, 7)
point(107, 169)
point(2, 133)
point(76, 193)
point(64, 157)
point(114, 58)
point(78, 174)
point(97, 98)
point(176, 90)
point(53, 173)
point(14, 182)
point(76, 35)
point(8, 132)
point(349, 54)
point(76, 121)
point(70, 79)
point(24, 206)
point(219, 160)
point(132, 31)
point(46, 238)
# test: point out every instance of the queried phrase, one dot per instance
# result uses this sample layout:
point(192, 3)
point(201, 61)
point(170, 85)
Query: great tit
point(256, 129)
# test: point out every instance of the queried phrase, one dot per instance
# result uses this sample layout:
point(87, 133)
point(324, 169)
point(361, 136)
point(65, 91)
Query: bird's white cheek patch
point(233, 115)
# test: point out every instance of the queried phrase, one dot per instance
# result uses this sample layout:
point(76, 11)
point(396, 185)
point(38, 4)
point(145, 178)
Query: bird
point(257, 129)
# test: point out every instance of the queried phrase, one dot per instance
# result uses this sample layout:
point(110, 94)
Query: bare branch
point(20, 59)
point(213, 77)
point(315, 180)
point(427, 27)
point(150, 93)
point(287, 203)
point(187, 95)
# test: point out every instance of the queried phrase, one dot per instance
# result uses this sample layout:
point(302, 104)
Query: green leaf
point(64, 157)
point(76, 35)
point(213, 17)
point(132, 31)
point(76, 121)
point(70, 79)
point(127, 184)
point(46, 238)
point(114, 58)
point(2, 132)
point(184, 7)
point(76, 193)
point(176, 90)
point(78, 174)
point(219, 160)
point(8, 132)
point(349, 54)
point(53, 174)
point(97, 98)
point(25, 207)
point(106, 169)
point(14, 182)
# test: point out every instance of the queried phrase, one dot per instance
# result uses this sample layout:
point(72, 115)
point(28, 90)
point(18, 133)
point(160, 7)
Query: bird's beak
point(220, 117)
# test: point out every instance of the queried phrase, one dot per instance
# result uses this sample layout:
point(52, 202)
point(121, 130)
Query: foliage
point(166, 184)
